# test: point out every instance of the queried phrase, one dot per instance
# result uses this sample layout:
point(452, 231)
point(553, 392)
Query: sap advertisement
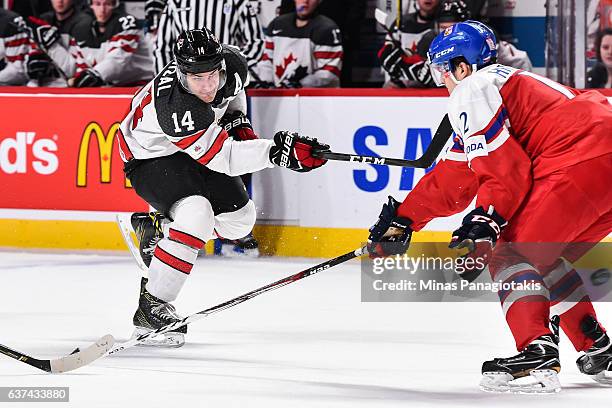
point(345, 194)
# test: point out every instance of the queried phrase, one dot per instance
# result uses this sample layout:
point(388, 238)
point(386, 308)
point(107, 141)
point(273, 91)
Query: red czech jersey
point(511, 127)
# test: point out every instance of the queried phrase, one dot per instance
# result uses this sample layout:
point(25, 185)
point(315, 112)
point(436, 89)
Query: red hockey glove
point(296, 152)
point(478, 234)
point(238, 126)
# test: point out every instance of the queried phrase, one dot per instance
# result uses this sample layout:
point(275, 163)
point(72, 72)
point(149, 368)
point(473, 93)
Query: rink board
point(62, 180)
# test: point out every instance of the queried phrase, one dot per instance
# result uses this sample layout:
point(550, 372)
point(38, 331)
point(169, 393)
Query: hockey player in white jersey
point(184, 142)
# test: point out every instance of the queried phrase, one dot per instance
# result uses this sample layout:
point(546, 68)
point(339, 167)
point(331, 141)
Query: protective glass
point(182, 77)
point(439, 71)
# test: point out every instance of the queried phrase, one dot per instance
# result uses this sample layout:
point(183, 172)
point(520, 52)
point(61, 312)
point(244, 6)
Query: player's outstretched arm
point(446, 190)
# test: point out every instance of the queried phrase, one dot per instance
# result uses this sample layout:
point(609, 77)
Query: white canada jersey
point(14, 48)
point(165, 119)
point(121, 54)
point(310, 55)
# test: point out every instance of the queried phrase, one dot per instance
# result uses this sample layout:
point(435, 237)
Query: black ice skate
point(148, 229)
point(153, 313)
point(534, 370)
point(596, 361)
point(247, 246)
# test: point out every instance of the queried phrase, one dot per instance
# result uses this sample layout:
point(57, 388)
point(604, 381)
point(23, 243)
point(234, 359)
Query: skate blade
point(537, 382)
point(605, 377)
point(166, 340)
point(252, 253)
point(231, 252)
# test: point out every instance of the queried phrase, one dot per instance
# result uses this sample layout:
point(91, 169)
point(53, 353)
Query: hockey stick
point(382, 18)
point(443, 133)
point(77, 359)
point(237, 300)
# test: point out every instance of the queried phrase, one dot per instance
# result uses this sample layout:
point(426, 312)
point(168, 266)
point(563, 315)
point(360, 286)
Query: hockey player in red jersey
point(538, 157)
point(185, 142)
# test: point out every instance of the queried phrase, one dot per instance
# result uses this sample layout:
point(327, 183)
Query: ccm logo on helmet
point(444, 52)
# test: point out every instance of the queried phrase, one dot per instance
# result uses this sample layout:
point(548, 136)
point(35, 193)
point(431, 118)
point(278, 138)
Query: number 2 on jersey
point(186, 121)
point(463, 116)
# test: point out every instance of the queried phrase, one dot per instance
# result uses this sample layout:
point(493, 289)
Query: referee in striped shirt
point(233, 22)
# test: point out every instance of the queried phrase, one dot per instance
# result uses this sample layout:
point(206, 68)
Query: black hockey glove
point(87, 78)
point(261, 85)
point(153, 9)
point(43, 34)
point(38, 65)
point(391, 234)
point(420, 72)
point(238, 126)
point(290, 84)
point(296, 152)
point(478, 234)
point(390, 57)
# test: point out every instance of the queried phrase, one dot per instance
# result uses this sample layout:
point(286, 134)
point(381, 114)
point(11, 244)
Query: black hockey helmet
point(454, 11)
point(198, 51)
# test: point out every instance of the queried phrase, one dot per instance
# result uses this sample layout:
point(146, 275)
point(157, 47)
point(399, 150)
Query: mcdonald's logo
point(105, 149)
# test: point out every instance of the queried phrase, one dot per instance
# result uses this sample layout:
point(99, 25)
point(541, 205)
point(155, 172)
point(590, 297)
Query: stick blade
point(381, 17)
point(83, 357)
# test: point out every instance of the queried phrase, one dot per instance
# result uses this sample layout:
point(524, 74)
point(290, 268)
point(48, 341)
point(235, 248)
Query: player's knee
point(193, 216)
point(236, 224)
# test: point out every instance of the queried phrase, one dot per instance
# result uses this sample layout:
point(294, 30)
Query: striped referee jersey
point(233, 22)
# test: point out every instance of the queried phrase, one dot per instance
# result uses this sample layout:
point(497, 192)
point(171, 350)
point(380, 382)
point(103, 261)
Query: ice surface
point(309, 344)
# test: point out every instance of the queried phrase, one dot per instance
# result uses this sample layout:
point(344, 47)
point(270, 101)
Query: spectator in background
point(106, 48)
point(14, 48)
point(407, 67)
point(30, 8)
point(508, 54)
point(64, 15)
point(267, 10)
point(349, 16)
point(478, 9)
point(600, 76)
point(415, 25)
point(58, 22)
point(303, 49)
